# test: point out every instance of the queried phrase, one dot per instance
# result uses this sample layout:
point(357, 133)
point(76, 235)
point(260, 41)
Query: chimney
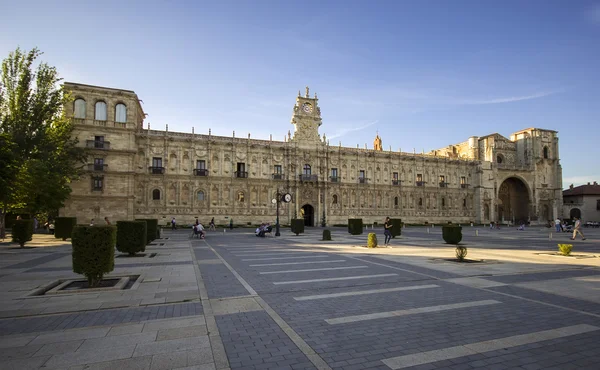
point(595, 183)
point(589, 183)
point(571, 186)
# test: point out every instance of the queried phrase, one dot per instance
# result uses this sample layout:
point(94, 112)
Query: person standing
point(557, 224)
point(211, 225)
point(231, 224)
point(387, 232)
point(173, 224)
point(577, 229)
point(106, 220)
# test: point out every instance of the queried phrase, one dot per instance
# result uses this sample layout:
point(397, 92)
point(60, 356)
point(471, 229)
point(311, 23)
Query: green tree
point(44, 156)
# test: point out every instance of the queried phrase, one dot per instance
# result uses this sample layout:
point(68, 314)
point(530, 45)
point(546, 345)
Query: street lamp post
point(277, 221)
point(280, 197)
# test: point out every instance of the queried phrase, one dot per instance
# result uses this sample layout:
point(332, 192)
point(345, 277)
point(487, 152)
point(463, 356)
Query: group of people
point(263, 229)
point(562, 226)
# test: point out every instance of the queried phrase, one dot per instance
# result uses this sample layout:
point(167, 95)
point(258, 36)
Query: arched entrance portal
point(513, 201)
point(575, 212)
point(308, 213)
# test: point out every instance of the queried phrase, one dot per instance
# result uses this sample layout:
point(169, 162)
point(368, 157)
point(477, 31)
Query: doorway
point(308, 213)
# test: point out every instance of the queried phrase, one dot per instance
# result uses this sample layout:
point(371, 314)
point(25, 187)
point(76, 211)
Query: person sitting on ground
point(521, 228)
point(260, 231)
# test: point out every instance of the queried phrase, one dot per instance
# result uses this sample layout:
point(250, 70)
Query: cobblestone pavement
point(237, 301)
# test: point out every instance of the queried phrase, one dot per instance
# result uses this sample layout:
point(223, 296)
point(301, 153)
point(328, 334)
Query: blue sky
point(424, 74)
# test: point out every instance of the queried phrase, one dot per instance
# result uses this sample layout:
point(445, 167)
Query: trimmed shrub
point(63, 227)
point(151, 225)
point(565, 249)
point(297, 225)
point(461, 253)
point(452, 234)
point(372, 240)
point(396, 227)
point(131, 236)
point(326, 234)
point(355, 226)
point(22, 231)
point(93, 251)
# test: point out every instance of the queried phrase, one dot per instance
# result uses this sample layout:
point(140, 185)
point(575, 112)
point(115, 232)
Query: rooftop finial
point(315, 95)
point(192, 130)
point(299, 95)
point(307, 94)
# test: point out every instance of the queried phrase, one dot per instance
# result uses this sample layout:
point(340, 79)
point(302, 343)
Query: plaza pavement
point(235, 301)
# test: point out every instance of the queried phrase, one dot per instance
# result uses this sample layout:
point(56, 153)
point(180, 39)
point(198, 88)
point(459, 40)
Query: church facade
point(136, 172)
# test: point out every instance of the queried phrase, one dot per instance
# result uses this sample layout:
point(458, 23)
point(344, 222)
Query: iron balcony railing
point(420, 183)
point(97, 167)
point(97, 144)
point(241, 174)
point(306, 178)
point(363, 180)
point(334, 179)
point(200, 172)
point(395, 182)
point(278, 176)
point(156, 170)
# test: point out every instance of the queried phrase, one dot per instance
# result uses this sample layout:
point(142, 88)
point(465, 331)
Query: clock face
point(307, 108)
point(287, 198)
point(274, 201)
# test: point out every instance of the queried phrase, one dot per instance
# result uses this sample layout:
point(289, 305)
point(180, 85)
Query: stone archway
point(513, 201)
point(308, 213)
point(575, 212)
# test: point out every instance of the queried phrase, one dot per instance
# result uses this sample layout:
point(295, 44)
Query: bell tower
point(306, 118)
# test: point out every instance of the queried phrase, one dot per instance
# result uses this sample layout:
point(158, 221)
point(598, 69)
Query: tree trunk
point(2, 223)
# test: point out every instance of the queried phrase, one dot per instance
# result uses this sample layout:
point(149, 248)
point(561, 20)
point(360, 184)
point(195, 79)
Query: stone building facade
point(137, 172)
point(582, 202)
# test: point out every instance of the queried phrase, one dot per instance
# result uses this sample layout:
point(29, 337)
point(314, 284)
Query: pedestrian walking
point(211, 225)
point(387, 232)
point(173, 224)
point(577, 229)
point(557, 224)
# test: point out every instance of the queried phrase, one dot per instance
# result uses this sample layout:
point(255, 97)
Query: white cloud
point(344, 131)
point(510, 99)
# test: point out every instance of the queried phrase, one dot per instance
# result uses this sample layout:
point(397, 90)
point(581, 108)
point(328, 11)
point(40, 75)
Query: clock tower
point(306, 118)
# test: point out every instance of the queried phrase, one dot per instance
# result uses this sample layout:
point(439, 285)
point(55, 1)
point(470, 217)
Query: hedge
point(297, 225)
point(152, 225)
point(452, 234)
point(93, 251)
point(355, 226)
point(63, 227)
point(396, 227)
point(131, 236)
point(22, 231)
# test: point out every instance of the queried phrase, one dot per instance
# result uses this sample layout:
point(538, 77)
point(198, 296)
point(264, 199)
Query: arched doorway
point(575, 212)
point(308, 213)
point(513, 201)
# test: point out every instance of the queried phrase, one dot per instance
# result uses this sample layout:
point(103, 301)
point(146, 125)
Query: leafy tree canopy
point(38, 155)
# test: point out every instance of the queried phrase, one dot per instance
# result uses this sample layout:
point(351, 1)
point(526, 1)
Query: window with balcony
point(200, 169)
point(157, 167)
point(79, 109)
point(120, 113)
point(100, 113)
point(200, 195)
point(155, 194)
point(277, 172)
point(334, 175)
point(420, 181)
point(99, 142)
point(307, 174)
point(241, 170)
point(442, 181)
point(97, 183)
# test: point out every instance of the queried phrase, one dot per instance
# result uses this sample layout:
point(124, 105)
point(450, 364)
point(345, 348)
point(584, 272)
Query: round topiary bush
point(461, 253)
point(326, 234)
point(22, 231)
point(372, 240)
point(565, 249)
point(151, 226)
point(452, 234)
point(93, 251)
point(131, 236)
point(63, 227)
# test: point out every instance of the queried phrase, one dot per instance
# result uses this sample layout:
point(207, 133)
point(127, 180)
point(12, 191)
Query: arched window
point(79, 108)
point(335, 200)
point(420, 201)
point(545, 152)
point(155, 194)
point(200, 195)
point(307, 169)
point(121, 113)
point(396, 201)
point(100, 114)
point(499, 159)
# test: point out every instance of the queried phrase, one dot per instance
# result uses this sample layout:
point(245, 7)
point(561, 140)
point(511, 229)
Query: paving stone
point(136, 363)
point(59, 348)
point(91, 356)
point(118, 341)
point(167, 346)
point(125, 329)
point(182, 332)
point(173, 323)
point(32, 363)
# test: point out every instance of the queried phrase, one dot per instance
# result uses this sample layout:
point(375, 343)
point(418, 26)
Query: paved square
point(235, 301)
